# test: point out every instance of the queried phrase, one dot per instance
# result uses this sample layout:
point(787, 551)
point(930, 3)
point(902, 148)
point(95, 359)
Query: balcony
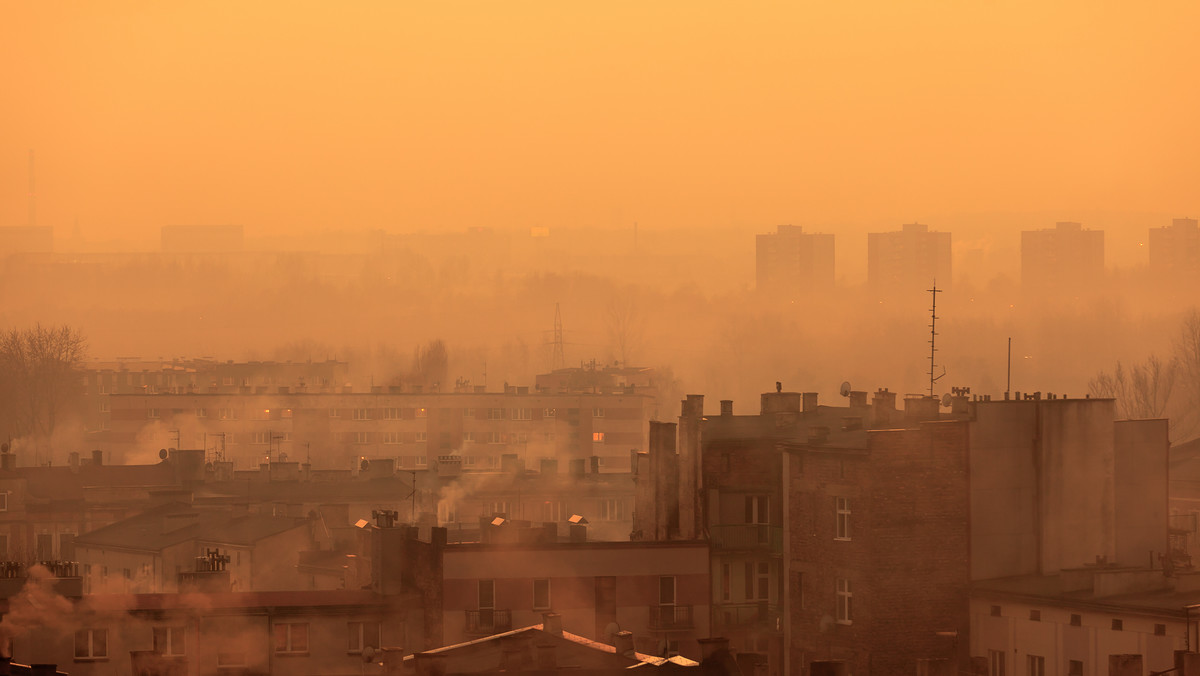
point(747, 537)
point(487, 622)
point(671, 618)
point(752, 614)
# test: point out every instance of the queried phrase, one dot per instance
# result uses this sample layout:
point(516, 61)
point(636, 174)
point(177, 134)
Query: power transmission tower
point(557, 360)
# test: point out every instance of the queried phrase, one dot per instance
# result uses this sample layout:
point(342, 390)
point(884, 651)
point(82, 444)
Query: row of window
point(1117, 624)
point(486, 595)
point(366, 413)
point(287, 638)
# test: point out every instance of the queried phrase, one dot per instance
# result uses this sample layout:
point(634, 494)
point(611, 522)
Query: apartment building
point(339, 428)
point(1067, 257)
point(908, 260)
point(791, 261)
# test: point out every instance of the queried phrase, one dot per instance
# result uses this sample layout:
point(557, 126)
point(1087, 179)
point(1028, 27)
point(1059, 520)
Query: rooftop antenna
point(933, 339)
point(557, 360)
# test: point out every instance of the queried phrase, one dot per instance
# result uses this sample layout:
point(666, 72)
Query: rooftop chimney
point(97, 457)
point(623, 642)
point(726, 407)
point(552, 623)
point(809, 402)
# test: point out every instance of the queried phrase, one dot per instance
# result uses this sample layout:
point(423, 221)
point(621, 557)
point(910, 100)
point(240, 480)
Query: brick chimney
point(623, 642)
point(552, 623)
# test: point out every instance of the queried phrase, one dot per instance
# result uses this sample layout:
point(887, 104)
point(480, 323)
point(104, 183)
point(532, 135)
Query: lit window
point(598, 437)
point(285, 413)
point(843, 518)
point(91, 644)
point(170, 640)
point(363, 635)
point(549, 413)
point(260, 414)
point(422, 412)
point(844, 598)
point(291, 637)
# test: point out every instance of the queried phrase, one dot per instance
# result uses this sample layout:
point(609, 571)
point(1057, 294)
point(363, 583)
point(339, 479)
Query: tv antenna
point(557, 360)
point(933, 375)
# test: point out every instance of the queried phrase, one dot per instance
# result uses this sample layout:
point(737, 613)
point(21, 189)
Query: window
point(495, 438)
point(227, 413)
point(3, 501)
point(1160, 630)
point(757, 580)
point(334, 413)
point(260, 438)
point(362, 414)
point(291, 637)
point(91, 644)
point(391, 437)
point(612, 509)
point(495, 414)
point(1035, 616)
point(843, 518)
point(549, 413)
point(202, 413)
point(227, 381)
point(726, 581)
point(104, 407)
point(756, 509)
point(4, 547)
point(522, 414)
point(170, 640)
point(541, 594)
point(501, 507)
point(421, 437)
point(1118, 625)
point(597, 413)
point(44, 546)
point(598, 437)
point(1074, 668)
point(1036, 665)
point(487, 594)
point(844, 598)
point(422, 412)
point(468, 413)
point(391, 414)
point(468, 461)
point(361, 437)
point(1076, 620)
point(362, 635)
point(995, 663)
point(469, 437)
point(553, 510)
point(152, 413)
point(260, 414)
point(666, 590)
point(422, 461)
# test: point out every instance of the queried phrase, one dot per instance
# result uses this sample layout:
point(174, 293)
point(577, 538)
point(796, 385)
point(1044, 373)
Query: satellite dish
point(946, 400)
point(4, 447)
point(845, 389)
point(364, 465)
point(162, 454)
point(826, 623)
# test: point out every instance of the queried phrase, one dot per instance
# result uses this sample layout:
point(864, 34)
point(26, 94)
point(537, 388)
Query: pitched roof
point(158, 530)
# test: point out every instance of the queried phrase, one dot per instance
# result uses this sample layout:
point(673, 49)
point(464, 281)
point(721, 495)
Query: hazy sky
point(404, 115)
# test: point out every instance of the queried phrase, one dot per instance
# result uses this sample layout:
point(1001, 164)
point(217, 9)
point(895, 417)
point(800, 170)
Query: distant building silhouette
point(202, 238)
point(19, 239)
point(1067, 256)
point(790, 259)
point(910, 259)
point(1175, 249)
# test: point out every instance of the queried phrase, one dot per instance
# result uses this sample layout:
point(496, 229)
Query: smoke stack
point(97, 457)
point(726, 407)
point(809, 402)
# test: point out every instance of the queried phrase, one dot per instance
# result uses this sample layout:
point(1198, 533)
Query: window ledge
point(91, 659)
point(842, 539)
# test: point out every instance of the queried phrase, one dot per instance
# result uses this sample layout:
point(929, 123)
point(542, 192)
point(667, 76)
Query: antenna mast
point(32, 193)
point(933, 338)
point(557, 361)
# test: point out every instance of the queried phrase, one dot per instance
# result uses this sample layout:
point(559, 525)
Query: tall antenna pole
point(1008, 381)
point(558, 361)
point(933, 338)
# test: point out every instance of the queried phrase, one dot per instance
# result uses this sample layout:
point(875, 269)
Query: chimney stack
point(726, 407)
point(552, 623)
point(623, 642)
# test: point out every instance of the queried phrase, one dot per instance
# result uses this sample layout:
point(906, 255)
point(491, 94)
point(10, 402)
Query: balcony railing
point(671, 618)
point(487, 622)
point(751, 614)
point(746, 536)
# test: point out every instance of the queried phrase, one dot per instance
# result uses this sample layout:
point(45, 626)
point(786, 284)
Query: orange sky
point(406, 115)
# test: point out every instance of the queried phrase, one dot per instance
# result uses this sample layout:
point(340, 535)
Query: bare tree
point(626, 326)
point(1144, 391)
point(40, 368)
point(1187, 357)
point(431, 364)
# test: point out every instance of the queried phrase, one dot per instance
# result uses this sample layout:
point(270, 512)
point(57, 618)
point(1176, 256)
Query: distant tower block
point(558, 360)
point(790, 260)
point(908, 259)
